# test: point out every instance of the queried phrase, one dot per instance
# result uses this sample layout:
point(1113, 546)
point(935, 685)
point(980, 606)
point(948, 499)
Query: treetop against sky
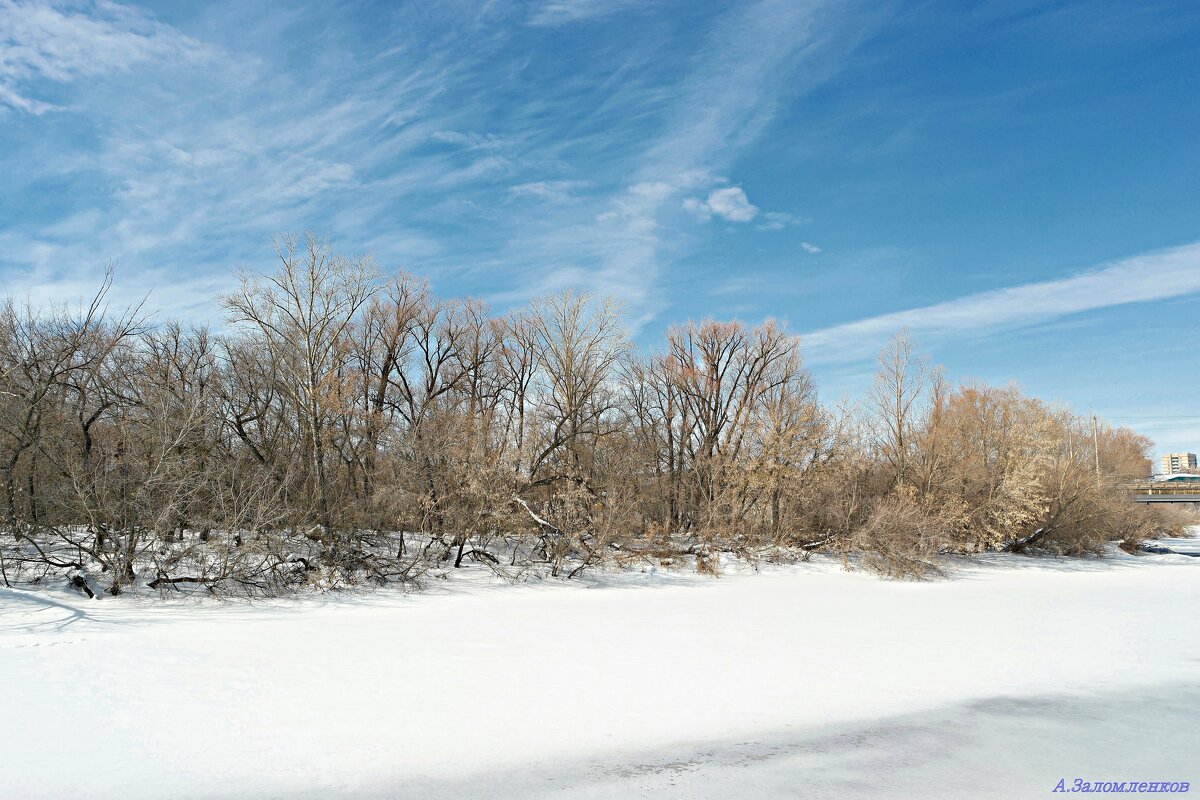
point(1013, 182)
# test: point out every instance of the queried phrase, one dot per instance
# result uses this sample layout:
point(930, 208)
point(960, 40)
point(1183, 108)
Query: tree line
point(348, 427)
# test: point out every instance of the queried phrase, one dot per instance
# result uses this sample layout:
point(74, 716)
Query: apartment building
point(1178, 462)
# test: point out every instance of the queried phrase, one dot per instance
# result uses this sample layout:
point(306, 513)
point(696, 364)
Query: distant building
point(1173, 463)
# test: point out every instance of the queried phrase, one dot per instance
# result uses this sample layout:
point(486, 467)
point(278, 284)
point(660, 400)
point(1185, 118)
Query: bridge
point(1164, 491)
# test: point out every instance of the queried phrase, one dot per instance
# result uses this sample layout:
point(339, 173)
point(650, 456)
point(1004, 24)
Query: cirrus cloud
point(1150, 276)
point(40, 42)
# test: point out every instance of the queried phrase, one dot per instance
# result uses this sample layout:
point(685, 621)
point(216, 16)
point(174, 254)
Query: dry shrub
point(900, 540)
point(274, 456)
point(1140, 522)
point(707, 565)
point(1109, 516)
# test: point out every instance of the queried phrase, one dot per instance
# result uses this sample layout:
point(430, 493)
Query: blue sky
point(1015, 182)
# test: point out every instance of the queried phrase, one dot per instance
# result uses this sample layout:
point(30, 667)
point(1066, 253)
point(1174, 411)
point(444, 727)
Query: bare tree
point(894, 396)
point(352, 429)
point(301, 315)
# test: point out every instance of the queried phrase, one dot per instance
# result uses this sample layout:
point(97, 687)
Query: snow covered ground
point(799, 681)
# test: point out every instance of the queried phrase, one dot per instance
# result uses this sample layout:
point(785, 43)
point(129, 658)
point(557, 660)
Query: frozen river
point(800, 681)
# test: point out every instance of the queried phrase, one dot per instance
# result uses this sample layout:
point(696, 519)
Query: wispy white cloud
point(759, 53)
point(203, 150)
point(614, 251)
point(551, 191)
point(11, 99)
point(729, 203)
point(778, 220)
point(204, 158)
point(479, 168)
point(565, 12)
point(753, 55)
point(1151, 276)
point(810, 248)
point(40, 41)
point(471, 141)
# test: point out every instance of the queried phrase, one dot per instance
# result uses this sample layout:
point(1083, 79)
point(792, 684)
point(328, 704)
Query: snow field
point(363, 695)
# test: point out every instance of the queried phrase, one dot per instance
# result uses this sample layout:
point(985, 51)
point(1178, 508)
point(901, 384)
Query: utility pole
point(1096, 444)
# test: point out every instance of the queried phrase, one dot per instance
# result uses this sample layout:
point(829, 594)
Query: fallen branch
point(482, 555)
point(817, 544)
point(162, 580)
point(541, 522)
point(1020, 545)
point(80, 583)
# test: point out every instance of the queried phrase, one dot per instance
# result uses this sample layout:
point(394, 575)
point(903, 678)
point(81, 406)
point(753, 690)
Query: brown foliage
point(900, 539)
point(351, 428)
